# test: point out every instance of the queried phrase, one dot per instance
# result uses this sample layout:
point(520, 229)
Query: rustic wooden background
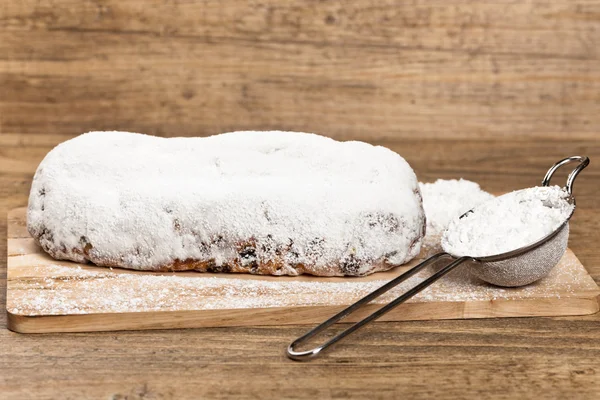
point(348, 69)
point(494, 91)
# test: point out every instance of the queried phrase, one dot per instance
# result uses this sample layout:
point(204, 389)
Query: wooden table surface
point(503, 358)
point(493, 91)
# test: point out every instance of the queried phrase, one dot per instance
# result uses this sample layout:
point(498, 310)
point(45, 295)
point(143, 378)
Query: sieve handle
point(583, 162)
point(307, 354)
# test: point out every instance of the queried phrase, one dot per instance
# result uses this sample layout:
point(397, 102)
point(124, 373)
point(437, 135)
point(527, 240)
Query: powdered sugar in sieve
point(508, 223)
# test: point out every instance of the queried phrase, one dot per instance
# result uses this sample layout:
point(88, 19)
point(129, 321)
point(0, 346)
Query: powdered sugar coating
point(296, 202)
point(444, 200)
point(509, 222)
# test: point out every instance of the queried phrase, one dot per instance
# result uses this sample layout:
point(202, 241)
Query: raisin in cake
point(278, 203)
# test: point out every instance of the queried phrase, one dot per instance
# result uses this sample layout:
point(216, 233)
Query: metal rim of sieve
point(303, 355)
point(583, 162)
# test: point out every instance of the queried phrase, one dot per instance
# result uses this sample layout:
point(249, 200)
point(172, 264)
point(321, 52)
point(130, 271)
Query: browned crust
point(266, 268)
point(240, 264)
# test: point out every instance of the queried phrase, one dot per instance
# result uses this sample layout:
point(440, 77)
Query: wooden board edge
point(551, 307)
point(15, 211)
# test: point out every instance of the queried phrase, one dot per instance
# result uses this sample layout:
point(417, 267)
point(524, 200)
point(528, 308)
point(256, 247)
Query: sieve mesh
point(525, 268)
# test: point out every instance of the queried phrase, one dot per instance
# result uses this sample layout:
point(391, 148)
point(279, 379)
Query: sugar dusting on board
point(444, 200)
point(509, 222)
point(71, 289)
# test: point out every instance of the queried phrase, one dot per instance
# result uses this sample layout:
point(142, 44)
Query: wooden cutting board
point(45, 295)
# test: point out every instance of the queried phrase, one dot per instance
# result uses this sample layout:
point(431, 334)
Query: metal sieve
point(518, 267)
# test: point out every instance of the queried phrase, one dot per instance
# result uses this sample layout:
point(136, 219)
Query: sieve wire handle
point(307, 354)
point(583, 162)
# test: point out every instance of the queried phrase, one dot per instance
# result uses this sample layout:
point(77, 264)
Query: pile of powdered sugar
point(141, 202)
point(509, 222)
point(444, 200)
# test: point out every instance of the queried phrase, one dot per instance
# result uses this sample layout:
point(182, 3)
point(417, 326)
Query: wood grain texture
point(492, 91)
point(91, 298)
point(494, 358)
point(386, 69)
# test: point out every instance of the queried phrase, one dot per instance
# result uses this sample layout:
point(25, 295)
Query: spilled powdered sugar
point(57, 289)
point(509, 222)
point(444, 200)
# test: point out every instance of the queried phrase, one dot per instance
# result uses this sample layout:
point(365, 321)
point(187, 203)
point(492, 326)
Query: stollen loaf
point(274, 203)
